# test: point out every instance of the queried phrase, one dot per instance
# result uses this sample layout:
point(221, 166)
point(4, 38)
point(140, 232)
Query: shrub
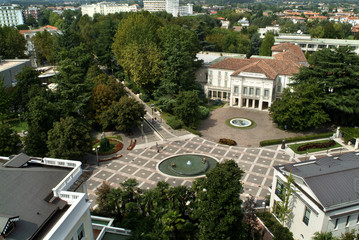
point(275, 227)
point(294, 139)
point(307, 146)
point(166, 104)
point(174, 122)
point(203, 112)
point(228, 142)
point(104, 145)
point(145, 97)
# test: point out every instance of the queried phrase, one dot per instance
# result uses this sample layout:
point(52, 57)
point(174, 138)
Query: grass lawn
point(117, 137)
point(294, 147)
point(249, 127)
point(19, 127)
point(112, 147)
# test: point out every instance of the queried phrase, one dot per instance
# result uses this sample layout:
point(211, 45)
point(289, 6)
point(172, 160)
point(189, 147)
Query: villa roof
point(286, 62)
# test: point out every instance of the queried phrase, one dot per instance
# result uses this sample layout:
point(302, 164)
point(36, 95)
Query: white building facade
point(309, 44)
point(11, 16)
point(325, 197)
point(105, 8)
point(170, 6)
point(254, 83)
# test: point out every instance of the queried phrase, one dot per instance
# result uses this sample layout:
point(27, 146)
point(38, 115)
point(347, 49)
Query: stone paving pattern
point(141, 164)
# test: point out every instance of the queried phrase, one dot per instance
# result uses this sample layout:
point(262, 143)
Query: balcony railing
point(70, 178)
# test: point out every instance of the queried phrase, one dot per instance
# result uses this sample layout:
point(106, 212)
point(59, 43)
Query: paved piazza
point(141, 164)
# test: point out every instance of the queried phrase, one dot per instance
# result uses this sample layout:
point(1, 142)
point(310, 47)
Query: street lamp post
point(20, 121)
point(152, 107)
point(96, 150)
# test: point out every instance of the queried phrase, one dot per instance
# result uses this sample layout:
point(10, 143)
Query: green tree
point(187, 107)
point(180, 47)
point(5, 102)
point(27, 86)
point(40, 115)
point(69, 139)
point(9, 140)
point(284, 207)
point(103, 47)
point(12, 43)
point(336, 73)
point(255, 44)
point(266, 46)
point(123, 115)
point(102, 97)
point(218, 205)
point(31, 21)
point(141, 63)
point(349, 235)
point(329, 31)
point(300, 109)
point(44, 43)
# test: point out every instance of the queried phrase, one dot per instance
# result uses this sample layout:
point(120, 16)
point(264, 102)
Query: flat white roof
point(10, 63)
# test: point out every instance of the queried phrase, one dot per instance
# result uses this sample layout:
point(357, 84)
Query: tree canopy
point(12, 43)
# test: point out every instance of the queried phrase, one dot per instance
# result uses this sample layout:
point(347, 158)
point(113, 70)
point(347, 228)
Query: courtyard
point(214, 127)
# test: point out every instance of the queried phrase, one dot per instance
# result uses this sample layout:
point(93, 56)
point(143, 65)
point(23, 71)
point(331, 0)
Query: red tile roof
point(286, 62)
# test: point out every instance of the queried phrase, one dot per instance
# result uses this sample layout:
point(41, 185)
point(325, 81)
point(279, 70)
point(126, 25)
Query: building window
point(245, 90)
point(347, 223)
point(225, 83)
point(226, 75)
point(306, 216)
point(251, 90)
point(224, 95)
point(310, 45)
point(302, 45)
point(336, 223)
point(236, 90)
point(279, 189)
point(219, 82)
point(266, 93)
point(219, 94)
point(81, 232)
point(258, 91)
point(322, 46)
point(219, 74)
point(209, 94)
point(279, 88)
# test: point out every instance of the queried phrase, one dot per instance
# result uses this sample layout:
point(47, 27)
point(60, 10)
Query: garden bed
point(295, 147)
point(115, 147)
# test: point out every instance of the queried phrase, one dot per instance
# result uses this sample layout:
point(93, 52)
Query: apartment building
point(11, 16)
point(105, 8)
point(170, 6)
point(9, 68)
point(325, 195)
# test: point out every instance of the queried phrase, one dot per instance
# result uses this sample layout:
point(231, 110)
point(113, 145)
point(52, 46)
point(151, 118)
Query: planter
point(132, 145)
point(118, 147)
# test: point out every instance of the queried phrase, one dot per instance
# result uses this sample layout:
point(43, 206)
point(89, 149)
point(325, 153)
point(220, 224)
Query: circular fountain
point(187, 165)
point(240, 122)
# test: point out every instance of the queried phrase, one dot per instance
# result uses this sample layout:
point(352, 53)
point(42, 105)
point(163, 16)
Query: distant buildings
point(10, 68)
point(325, 197)
point(170, 6)
point(309, 44)
point(105, 8)
point(11, 16)
point(31, 11)
point(256, 82)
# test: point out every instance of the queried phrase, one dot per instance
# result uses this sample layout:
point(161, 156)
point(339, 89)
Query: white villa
point(325, 198)
point(256, 82)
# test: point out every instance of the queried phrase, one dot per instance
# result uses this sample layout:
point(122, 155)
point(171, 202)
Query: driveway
point(214, 127)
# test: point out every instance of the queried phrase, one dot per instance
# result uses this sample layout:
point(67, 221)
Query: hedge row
point(307, 146)
point(295, 139)
point(228, 142)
